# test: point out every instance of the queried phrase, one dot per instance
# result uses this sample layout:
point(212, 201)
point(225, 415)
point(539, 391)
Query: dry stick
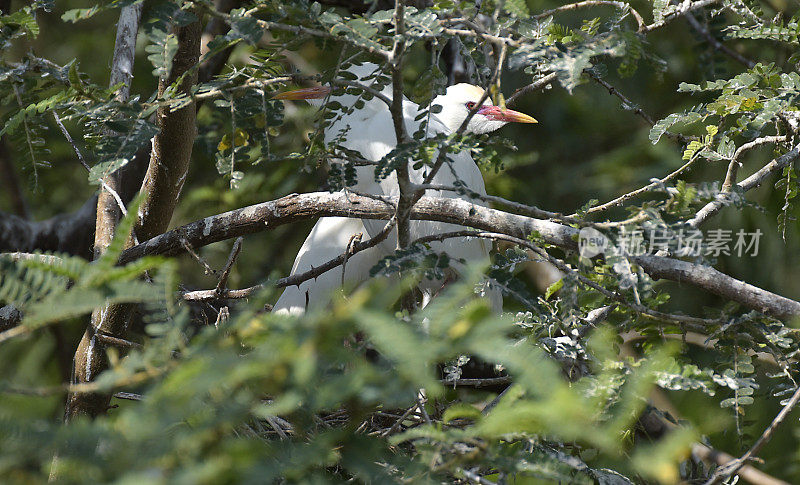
point(477, 383)
point(297, 279)
point(733, 167)
point(400, 420)
point(594, 3)
point(223, 279)
point(630, 195)
point(717, 44)
point(117, 342)
point(749, 183)
point(297, 207)
point(724, 472)
point(354, 238)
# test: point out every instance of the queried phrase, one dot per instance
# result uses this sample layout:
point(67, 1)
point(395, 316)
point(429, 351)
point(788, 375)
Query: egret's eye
point(470, 104)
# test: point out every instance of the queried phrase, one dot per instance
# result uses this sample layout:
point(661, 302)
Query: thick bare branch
point(292, 208)
point(713, 281)
point(166, 173)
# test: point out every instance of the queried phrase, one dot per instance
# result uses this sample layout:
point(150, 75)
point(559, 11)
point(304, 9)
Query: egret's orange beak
point(508, 115)
point(316, 92)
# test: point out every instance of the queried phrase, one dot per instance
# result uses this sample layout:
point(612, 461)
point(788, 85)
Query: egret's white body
point(370, 131)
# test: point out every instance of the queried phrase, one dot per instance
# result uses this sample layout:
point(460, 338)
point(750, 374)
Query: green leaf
point(518, 8)
point(461, 410)
point(162, 50)
point(76, 14)
point(24, 19)
point(103, 169)
point(552, 289)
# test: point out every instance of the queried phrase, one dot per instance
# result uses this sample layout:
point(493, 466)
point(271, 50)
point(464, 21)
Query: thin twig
point(406, 199)
point(189, 249)
point(516, 207)
point(748, 472)
point(400, 420)
point(295, 279)
point(421, 400)
point(117, 342)
point(363, 87)
point(724, 472)
point(733, 167)
point(717, 44)
point(657, 183)
point(534, 86)
point(477, 383)
point(630, 105)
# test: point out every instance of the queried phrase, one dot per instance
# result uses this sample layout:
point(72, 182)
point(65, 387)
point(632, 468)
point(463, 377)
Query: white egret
point(370, 131)
point(460, 169)
point(360, 131)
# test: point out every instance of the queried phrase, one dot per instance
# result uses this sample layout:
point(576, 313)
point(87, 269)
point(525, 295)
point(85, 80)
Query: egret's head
point(459, 99)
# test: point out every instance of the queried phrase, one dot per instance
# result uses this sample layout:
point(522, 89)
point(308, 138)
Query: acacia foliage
point(325, 397)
